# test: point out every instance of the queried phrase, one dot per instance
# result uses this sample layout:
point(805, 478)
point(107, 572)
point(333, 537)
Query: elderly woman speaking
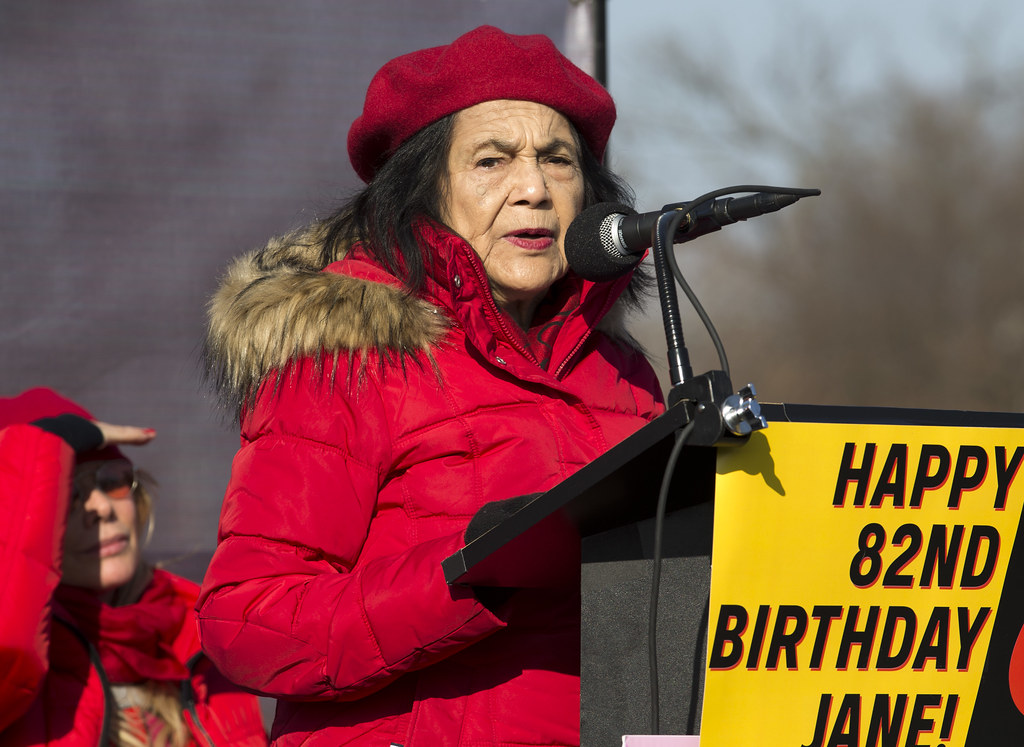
point(421, 352)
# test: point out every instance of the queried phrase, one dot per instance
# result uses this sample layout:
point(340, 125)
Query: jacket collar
point(458, 283)
point(279, 304)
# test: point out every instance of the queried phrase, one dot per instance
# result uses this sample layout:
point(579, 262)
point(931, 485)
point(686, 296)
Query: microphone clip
point(721, 417)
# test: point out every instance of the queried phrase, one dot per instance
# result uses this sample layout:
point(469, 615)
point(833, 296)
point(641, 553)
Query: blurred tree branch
point(901, 284)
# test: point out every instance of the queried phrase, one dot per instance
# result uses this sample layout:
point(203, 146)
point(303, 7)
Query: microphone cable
point(665, 234)
point(682, 435)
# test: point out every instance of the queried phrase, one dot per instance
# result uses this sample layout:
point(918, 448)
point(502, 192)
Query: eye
point(559, 160)
point(488, 162)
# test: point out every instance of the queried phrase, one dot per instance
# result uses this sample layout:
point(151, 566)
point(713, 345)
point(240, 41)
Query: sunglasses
point(115, 479)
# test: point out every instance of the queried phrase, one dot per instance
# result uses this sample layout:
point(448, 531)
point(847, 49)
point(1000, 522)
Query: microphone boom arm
point(719, 415)
point(678, 357)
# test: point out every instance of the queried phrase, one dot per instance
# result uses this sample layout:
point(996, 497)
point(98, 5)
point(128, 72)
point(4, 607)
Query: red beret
point(40, 402)
point(416, 89)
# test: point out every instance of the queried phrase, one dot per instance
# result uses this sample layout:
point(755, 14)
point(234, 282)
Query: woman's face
point(101, 543)
point(514, 186)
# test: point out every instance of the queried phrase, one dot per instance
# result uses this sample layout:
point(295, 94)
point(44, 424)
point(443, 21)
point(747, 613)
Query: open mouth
point(531, 238)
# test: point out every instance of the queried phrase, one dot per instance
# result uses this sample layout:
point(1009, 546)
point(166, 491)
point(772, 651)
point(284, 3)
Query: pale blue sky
point(872, 38)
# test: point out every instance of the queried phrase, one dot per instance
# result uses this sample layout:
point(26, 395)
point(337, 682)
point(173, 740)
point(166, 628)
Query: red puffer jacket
point(359, 470)
point(53, 687)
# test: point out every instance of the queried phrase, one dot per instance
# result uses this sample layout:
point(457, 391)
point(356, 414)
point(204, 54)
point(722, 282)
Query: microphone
point(608, 239)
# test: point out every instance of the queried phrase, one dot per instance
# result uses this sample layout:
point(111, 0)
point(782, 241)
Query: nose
point(529, 186)
point(99, 506)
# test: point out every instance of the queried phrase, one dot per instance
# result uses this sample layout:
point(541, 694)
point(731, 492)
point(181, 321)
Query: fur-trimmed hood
point(277, 305)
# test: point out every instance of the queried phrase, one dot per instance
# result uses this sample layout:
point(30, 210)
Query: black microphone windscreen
point(590, 249)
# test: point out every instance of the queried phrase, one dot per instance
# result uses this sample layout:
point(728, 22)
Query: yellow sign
point(858, 573)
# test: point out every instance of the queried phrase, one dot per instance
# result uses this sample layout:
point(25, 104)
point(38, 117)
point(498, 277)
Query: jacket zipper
point(579, 345)
point(511, 339)
point(572, 354)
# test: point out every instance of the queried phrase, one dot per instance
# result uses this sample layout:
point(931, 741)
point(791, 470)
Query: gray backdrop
point(144, 144)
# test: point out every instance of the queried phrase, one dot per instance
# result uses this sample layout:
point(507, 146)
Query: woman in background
point(97, 647)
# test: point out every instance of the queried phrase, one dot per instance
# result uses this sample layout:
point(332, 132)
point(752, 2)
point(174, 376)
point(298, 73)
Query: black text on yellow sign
point(918, 538)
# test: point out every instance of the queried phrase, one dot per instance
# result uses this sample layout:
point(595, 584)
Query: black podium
point(609, 504)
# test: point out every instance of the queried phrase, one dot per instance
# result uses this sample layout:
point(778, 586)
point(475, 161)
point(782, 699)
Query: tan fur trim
point(275, 306)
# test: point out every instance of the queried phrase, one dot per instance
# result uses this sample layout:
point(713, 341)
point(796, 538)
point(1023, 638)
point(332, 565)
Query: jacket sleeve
point(35, 483)
point(287, 607)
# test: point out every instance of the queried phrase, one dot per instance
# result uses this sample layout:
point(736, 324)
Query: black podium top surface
point(800, 413)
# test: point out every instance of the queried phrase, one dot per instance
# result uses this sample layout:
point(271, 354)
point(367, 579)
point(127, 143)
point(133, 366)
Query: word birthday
point(935, 470)
point(788, 633)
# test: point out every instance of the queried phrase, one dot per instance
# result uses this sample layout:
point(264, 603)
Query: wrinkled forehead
point(513, 125)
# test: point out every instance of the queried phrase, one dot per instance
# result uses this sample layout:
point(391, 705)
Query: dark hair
point(413, 184)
